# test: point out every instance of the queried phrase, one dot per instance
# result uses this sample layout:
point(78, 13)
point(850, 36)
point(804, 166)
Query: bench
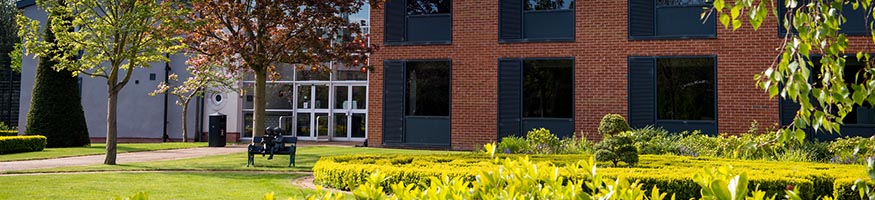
point(256, 148)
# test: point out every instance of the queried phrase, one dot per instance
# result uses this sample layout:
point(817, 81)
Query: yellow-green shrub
point(672, 174)
point(16, 144)
point(8, 133)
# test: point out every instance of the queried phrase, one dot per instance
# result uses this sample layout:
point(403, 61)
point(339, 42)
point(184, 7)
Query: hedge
point(671, 174)
point(17, 144)
point(8, 133)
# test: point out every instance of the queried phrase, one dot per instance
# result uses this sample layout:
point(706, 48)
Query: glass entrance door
point(349, 112)
point(313, 109)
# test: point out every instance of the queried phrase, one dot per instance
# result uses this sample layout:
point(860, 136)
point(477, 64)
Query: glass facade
point(313, 105)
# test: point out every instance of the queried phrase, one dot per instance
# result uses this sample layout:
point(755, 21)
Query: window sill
point(535, 40)
point(674, 37)
point(418, 43)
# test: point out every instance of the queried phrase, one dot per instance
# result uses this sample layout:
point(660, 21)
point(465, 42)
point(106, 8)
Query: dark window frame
point(419, 43)
point(668, 37)
point(520, 89)
point(407, 12)
point(526, 4)
point(656, 120)
point(523, 39)
point(450, 88)
point(404, 105)
point(783, 10)
point(705, 3)
point(656, 85)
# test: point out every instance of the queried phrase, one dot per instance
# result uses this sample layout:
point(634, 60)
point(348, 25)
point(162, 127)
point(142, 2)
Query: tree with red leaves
point(256, 36)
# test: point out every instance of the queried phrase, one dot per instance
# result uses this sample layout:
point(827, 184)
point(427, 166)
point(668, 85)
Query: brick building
point(457, 74)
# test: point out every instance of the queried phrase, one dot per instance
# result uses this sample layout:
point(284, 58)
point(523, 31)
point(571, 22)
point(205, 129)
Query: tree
point(110, 39)
point(813, 27)
point(258, 35)
point(56, 107)
point(8, 31)
point(204, 77)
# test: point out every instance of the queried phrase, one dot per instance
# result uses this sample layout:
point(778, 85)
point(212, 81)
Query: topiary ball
point(612, 124)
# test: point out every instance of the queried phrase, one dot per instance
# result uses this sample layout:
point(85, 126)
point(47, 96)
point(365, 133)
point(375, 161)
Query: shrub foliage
point(612, 124)
point(56, 108)
point(617, 148)
point(671, 173)
point(18, 144)
point(8, 133)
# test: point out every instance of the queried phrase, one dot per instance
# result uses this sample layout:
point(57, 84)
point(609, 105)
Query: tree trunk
point(111, 131)
point(184, 121)
point(258, 105)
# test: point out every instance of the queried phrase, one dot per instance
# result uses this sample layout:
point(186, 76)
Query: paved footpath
point(143, 156)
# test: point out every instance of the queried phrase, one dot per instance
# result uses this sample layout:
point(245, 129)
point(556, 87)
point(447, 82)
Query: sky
point(363, 14)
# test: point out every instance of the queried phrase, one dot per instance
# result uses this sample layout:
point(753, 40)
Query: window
point(670, 19)
point(685, 89)
point(535, 93)
point(675, 93)
point(427, 7)
point(427, 86)
point(418, 22)
point(536, 20)
point(861, 114)
point(416, 103)
point(549, 4)
point(856, 23)
point(681, 3)
point(547, 89)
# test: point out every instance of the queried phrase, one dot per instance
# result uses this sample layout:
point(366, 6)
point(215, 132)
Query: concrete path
point(143, 156)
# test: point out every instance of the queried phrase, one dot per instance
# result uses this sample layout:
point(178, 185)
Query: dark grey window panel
point(395, 21)
point(549, 4)
point(855, 24)
point(427, 130)
point(706, 127)
point(549, 25)
point(430, 28)
point(680, 22)
point(642, 91)
point(648, 21)
point(553, 25)
point(425, 7)
point(561, 127)
point(509, 101)
point(393, 102)
point(431, 24)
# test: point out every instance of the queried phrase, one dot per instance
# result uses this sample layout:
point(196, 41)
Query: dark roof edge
point(21, 4)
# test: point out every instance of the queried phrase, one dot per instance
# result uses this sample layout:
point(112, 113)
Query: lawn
point(158, 185)
point(96, 149)
point(305, 158)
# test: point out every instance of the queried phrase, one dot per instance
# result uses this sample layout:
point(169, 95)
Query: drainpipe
point(166, 96)
point(199, 118)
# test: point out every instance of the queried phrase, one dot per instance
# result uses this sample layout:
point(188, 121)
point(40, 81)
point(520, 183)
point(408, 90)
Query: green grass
point(305, 158)
point(157, 185)
point(96, 149)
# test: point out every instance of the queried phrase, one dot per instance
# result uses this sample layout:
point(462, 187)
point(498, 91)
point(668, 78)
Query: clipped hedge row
point(8, 133)
point(671, 174)
point(17, 144)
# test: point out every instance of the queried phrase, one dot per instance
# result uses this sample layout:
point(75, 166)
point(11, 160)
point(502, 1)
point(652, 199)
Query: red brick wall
point(601, 50)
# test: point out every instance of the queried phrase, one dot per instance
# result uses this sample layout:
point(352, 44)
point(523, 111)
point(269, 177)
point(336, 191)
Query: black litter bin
point(218, 125)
